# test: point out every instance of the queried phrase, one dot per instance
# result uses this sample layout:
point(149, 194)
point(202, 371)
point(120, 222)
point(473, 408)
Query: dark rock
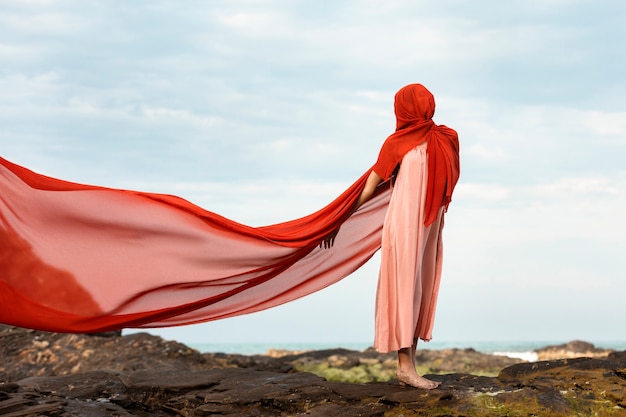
point(141, 375)
point(464, 360)
point(573, 349)
point(85, 385)
point(618, 356)
point(112, 333)
point(25, 353)
point(8, 387)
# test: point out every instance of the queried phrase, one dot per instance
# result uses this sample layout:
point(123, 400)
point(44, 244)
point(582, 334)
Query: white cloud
point(10, 52)
point(483, 152)
point(18, 88)
point(266, 24)
point(35, 21)
point(178, 116)
point(565, 234)
point(605, 123)
point(575, 188)
point(472, 193)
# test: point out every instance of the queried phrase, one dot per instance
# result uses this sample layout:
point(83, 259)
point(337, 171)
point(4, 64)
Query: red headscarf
point(415, 107)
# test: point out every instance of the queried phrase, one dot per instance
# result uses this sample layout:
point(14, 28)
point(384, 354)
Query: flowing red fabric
point(414, 106)
point(80, 258)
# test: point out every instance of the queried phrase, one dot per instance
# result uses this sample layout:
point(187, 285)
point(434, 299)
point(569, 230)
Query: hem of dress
point(380, 350)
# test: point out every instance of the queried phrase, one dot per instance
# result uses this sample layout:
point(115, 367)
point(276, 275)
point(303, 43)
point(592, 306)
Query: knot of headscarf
point(414, 107)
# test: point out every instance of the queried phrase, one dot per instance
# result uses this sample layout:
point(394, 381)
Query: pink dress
point(411, 260)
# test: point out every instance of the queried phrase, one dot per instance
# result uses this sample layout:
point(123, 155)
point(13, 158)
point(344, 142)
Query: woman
point(86, 259)
point(422, 160)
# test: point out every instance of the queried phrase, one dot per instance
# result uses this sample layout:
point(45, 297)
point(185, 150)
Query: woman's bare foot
point(416, 381)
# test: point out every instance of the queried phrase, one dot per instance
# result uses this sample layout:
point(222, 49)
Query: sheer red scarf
point(415, 107)
point(82, 258)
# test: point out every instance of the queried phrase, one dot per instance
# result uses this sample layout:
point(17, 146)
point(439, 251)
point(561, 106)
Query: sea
point(521, 350)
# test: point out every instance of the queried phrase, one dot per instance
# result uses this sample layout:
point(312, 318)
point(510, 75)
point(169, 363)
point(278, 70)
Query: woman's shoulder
point(447, 131)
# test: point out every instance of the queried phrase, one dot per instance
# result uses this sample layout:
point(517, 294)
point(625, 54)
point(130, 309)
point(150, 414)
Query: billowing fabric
point(411, 260)
point(80, 258)
point(415, 107)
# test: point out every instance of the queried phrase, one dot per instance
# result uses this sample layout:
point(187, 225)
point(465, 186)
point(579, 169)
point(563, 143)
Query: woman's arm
point(370, 186)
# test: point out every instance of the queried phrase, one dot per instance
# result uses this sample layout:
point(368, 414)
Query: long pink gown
point(411, 261)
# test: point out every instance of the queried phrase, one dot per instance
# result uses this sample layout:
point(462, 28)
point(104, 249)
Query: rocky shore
point(50, 374)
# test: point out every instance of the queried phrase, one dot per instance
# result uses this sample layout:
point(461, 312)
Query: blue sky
point(264, 111)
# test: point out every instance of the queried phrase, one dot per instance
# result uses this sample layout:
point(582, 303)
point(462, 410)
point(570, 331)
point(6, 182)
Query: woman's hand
point(329, 240)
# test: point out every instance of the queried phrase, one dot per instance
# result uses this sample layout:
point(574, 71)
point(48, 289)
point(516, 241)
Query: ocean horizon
point(516, 349)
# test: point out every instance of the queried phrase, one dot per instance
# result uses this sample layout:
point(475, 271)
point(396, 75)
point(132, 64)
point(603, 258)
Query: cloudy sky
point(265, 110)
